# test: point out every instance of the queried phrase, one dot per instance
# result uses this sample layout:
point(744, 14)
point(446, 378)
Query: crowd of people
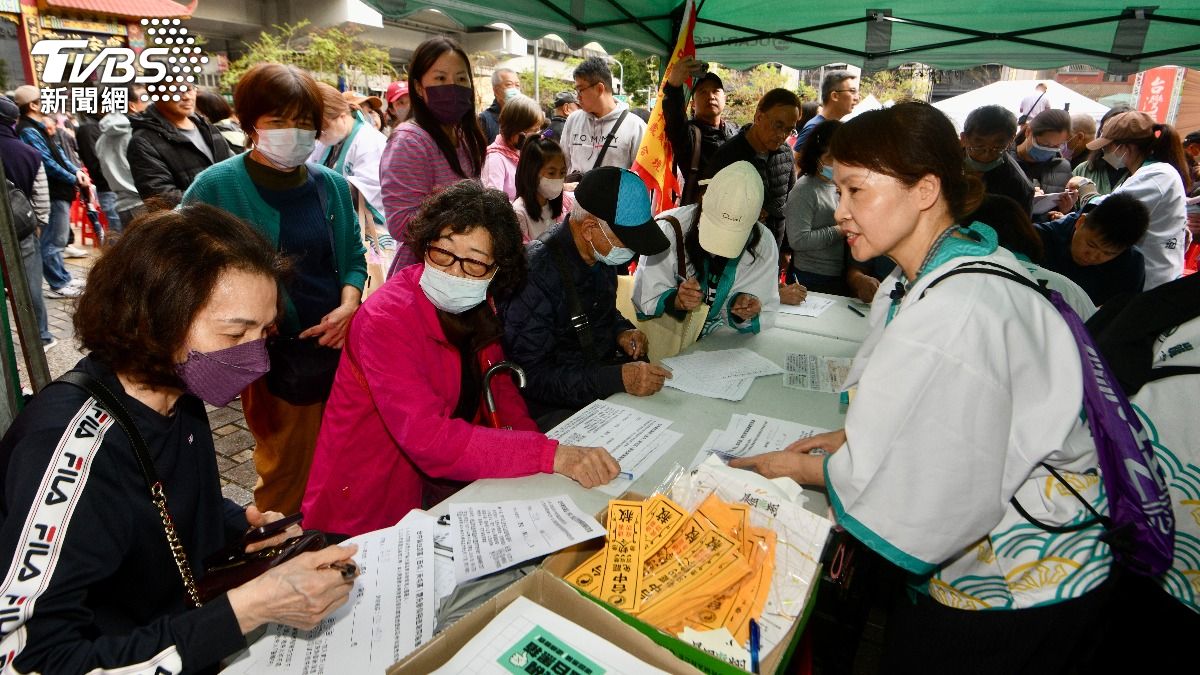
point(247, 236)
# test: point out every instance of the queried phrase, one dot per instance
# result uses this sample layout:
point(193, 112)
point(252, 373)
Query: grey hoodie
point(115, 132)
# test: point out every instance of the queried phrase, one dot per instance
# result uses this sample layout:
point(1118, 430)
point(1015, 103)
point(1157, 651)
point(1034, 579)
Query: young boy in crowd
point(1095, 248)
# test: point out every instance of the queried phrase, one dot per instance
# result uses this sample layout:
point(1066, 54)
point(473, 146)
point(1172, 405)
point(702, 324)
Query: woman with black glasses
point(407, 403)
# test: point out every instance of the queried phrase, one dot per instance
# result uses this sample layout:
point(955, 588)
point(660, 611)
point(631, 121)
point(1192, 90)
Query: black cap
point(708, 77)
point(564, 97)
point(619, 198)
point(1193, 137)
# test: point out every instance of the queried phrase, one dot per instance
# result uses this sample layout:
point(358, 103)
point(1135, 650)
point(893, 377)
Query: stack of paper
point(812, 306)
point(707, 570)
point(487, 538)
point(636, 440)
point(528, 638)
point(390, 612)
point(725, 374)
point(817, 373)
point(750, 435)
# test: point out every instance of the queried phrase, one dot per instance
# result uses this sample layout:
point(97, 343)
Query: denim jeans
point(54, 239)
point(108, 204)
point(32, 260)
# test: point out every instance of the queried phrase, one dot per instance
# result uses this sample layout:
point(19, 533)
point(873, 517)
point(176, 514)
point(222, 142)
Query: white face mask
point(550, 187)
point(1114, 160)
point(286, 148)
point(336, 132)
point(450, 293)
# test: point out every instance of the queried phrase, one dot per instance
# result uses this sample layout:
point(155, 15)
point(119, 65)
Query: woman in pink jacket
point(406, 405)
point(520, 119)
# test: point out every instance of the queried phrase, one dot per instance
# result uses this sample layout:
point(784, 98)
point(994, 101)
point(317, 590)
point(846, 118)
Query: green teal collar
point(980, 240)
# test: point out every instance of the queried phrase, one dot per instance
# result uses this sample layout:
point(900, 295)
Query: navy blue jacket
point(21, 161)
point(538, 334)
point(88, 573)
point(1125, 273)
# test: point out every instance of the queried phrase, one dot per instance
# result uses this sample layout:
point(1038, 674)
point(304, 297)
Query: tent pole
point(537, 78)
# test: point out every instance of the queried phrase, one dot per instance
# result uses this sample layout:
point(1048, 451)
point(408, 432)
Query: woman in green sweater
point(306, 211)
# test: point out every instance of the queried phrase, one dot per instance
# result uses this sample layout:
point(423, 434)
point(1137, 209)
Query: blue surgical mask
point(450, 293)
point(1041, 153)
point(827, 172)
point(619, 255)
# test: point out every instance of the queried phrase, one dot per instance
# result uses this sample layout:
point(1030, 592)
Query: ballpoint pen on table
point(755, 639)
point(852, 308)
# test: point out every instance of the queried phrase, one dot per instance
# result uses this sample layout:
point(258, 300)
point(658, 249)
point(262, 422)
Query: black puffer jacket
point(538, 334)
point(163, 161)
point(776, 172)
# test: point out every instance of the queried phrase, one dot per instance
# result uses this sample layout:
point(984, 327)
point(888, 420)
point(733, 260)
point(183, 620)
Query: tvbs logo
point(113, 65)
point(168, 68)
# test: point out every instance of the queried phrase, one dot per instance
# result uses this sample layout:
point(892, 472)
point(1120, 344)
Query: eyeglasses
point(474, 268)
point(844, 91)
point(782, 128)
point(580, 90)
point(986, 149)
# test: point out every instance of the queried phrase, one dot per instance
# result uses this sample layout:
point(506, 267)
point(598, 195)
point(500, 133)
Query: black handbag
point(301, 369)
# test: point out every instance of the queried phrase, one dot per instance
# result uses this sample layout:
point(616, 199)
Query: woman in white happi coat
point(965, 395)
point(731, 260)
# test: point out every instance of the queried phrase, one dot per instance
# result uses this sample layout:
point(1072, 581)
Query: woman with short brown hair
point(174, 315)
point(307, 212)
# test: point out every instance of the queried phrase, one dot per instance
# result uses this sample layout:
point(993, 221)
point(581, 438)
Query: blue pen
point(625, 474)
point(755, 638)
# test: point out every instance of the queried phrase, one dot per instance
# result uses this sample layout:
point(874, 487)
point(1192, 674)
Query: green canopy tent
point(1114, 36)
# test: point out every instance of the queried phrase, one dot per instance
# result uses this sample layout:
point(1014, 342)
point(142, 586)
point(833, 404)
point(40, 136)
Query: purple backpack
point(1140, 527)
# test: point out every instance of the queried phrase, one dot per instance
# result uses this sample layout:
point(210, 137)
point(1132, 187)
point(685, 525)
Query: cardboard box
point(557, 596)
point(562, 563)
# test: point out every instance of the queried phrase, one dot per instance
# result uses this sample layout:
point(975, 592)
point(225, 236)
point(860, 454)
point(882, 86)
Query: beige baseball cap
point(1124, 127)
point(26, 93)
point(730, 209)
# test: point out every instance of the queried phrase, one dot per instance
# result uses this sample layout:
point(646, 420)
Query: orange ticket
point(681, 570)
point(587, 576)
point(622, 577)
point(663, 518)
point(732, 519)
point(690, 591)
point(752, 597)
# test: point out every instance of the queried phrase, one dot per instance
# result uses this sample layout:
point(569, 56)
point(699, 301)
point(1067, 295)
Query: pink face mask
point(217, 377)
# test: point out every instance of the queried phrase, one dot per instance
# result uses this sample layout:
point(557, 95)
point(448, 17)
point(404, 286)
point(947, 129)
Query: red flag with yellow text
point(655, 162)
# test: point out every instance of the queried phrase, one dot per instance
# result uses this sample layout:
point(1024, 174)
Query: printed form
point(817, 373)
point(636, 440)
point(390, 612)
point(724, 374)
point(811, 306)
point(491, 537)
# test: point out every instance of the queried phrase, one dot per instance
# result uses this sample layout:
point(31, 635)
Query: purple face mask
point(449, 102)
point(217, 377)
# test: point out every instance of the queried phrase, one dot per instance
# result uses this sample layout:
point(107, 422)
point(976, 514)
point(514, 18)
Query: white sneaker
point(65, 292)
point(77, 283)
point(74, 252)
point(47, 346)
